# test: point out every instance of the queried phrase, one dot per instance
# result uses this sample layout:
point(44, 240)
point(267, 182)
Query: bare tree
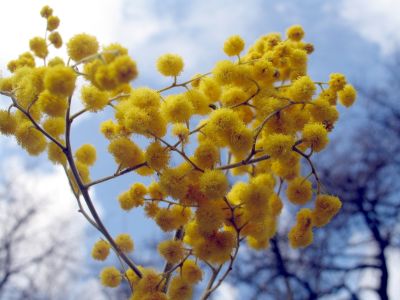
point(365, 174)
point(40, 248)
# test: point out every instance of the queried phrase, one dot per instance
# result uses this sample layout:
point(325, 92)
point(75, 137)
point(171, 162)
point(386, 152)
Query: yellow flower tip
point(60, 80)
point(177, 109)
point(191, 272)
point(81, 46)
point(326, 207)
point(101, 250)
point(299, 191)
point(170, 64)
point(157, 156)
point(337, 81)
point(126, 153)
point(46, 11)
point(180, 289)
point(52, 23)
point(302, 89)
point(278, 145)
point(214, 184)
point(56, 61)
point(93, 98)
point(39, 47)
point(110, 277)
point(145, 98)
point(86, 154)
point(234, 45)
point(126, 202)
point(315, 136)
point(347, 95)
point(124, 69)
point(8, 123)
point(112, 51)
point(124, 242)
point(206, 155)
point(181, 131)
point(172, 251)
point(295, 33)
point(166, 220)
point(56, 39)
point(54, 126)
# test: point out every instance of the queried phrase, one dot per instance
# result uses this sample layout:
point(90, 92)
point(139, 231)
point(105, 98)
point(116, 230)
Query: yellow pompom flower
point(56, 61)
point(94, 99)
point(301, 234)
point(46, 11)
point(83, 171)
point(155, 190)
point(86, 154)
point(302, 89)
point(347, 95)
point(233, 96)
point(109, 129)
point(210, 217)
point(315, 136)
point(126, 153)
point(124, 242)
point(157, 156)
point(177, 108)
point(101, 250)
point(180, 289)
point(81, 46)
point(211, 88)
point(233, 45)
point(337, 81)
point(166, 220)
point(31, 139)
point(170, 64)
point(145, 98)
point(56, 40)
point(275, 205)
point(55, 154)
point(191, 272)
point(206, 155)
point(112, 51)
point(326, 207)
point(151, 209)
point(214, 184)
point(278, 145)
point(295, 33)
point(60, 80)
point(181, 131)
point(299, 191)
point(110, 277)
point(126, 202)
point(52, 23)
point(137, 191)
point(174, 182)
point(8, 122)
point(39, 47)
point(54, 126)
point(241, 141)
point(172, 251)
point(124, 69)
point(199, 102)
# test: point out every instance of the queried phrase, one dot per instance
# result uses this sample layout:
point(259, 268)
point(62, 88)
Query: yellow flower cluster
point(257, 114)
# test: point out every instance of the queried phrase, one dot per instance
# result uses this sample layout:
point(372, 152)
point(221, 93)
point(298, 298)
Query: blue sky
point(350, 36)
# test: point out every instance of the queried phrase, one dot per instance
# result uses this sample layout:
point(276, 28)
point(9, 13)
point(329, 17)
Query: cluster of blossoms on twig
point(220, 150)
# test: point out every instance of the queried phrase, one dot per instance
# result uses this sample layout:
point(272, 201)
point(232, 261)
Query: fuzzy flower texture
point(226, 150)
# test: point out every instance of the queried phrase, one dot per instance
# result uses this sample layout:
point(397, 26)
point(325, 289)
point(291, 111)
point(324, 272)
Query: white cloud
point(226, 291)
point(376, 21)
point(56, 220)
